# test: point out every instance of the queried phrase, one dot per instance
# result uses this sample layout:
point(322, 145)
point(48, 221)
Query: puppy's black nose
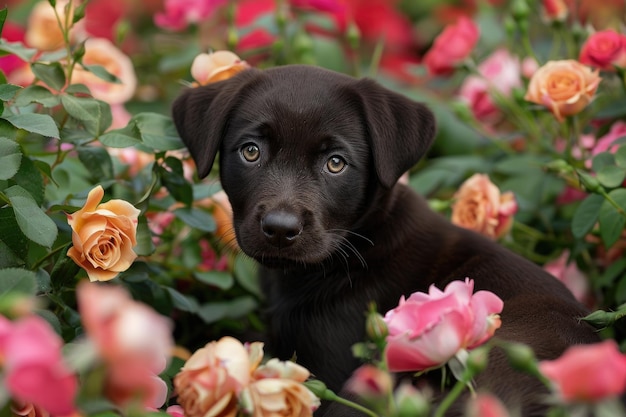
point(281, 228)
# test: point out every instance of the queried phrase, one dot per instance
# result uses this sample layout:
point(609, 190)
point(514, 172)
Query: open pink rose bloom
point(427, 330)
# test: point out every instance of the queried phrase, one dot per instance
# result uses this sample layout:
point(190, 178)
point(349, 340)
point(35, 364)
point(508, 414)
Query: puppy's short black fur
point(310, 161)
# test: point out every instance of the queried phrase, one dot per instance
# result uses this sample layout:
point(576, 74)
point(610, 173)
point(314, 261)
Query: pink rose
point(35, 372)
point(565, 87)
point(500, 73)
point(570, 275)
point(179, 14)
point(588, 373)
point(554, 10)
point(479, 206)
point(606, 142)
point(604, 49)
point(427, 330)
point(133, 341)
point(452, 47)
point(370, 383)
point(486, 405)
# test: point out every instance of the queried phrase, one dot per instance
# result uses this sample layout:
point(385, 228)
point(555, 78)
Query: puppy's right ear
point(201, 116)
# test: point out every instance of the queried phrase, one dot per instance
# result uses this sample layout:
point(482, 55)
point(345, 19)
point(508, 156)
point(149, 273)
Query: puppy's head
point(302, 152)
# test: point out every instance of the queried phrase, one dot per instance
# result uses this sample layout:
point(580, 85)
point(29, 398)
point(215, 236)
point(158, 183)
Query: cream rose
point(100, 51)
point(43, 31)
point(210, 381)
point(480, 207)
point(565, 87)
point(103, 236)
point(216, 66)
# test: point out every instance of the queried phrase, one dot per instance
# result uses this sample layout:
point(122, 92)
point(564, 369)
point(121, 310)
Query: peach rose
point(604, 49)
point(216, 66)
point(277, 390)
point(210, 381)
point(565, 87)
point(43, 31)
point(100, 51)
point(103, 235)
point(554, 10)
point(480, 207)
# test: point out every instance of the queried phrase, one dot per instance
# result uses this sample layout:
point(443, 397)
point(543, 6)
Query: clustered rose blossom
point(179, 14)
point(427, 330)
point(35, 373)
point(103, 236)
point(132, 340)
point(452, 47)
point(225, 375)
point(587, 373)
point(565, 87)
point(479, 206)
point(216, 66)
point(604, 49)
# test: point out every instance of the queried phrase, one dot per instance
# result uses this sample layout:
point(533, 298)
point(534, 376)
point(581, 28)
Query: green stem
point(611, 201)
point(452, 396)
point(356, 406)
point(48, 256)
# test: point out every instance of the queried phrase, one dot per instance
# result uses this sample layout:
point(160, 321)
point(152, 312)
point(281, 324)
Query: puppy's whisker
point(353, 233)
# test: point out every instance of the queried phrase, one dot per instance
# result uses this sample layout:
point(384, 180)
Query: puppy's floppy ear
point(400, 130)
point(201, 116)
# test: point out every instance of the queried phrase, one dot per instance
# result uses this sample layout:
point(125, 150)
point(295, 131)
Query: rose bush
point(530, 101)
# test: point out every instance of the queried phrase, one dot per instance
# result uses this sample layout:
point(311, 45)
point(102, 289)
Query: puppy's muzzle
point(281, 228)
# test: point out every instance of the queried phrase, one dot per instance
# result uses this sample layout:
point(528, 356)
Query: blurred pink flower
point(452, 47)
point(427, 330)
point(332, 6)
point(606, 142)
point(11, 32)
point(479, 206)
point(500, 73)
point(175, 411)
point(134, 342)
point(554, 10)
point(27, 410)
point(210, 261)
point(35, 372)
point(588, 373)
point(486, 405)
point(370, 383)
point(179, 14)
point(570, 275)
point(604, 49)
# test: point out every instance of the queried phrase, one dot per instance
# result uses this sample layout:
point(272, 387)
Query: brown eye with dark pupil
point(250, 153)
point(335, 164)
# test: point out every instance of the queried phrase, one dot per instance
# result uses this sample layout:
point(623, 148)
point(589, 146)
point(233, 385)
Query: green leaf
point(14, 245)
point(612, 222)
point(620, 156)
point(10, 158)
point(145, 245)
point(97, 161)
point(41, 124)
point(215, 311)
point(81, 108)
point(32, 220)
point(180, 301)
point(101, 72)
point(30, 178)
point(7, 91)
point(196, 218)
point(602, 160)
point(37, 94)
point(177, 185)
point(246, 274)
point(64, 271)
point(51, 74)
point(17, 280)
point(219, 279)
point(121, 138)
point(611, 176)
point(158, 131)
point(18, 49)
point(3, 18)
point(586, 215)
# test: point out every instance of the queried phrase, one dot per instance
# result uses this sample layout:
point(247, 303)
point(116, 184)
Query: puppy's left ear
point(400, 130)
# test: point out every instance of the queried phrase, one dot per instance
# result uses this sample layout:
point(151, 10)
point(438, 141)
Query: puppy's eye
point(335, 164)
point(250, 152)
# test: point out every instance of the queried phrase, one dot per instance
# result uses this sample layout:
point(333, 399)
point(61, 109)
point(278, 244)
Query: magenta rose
point(427, 330)
point(604, 49)
point(588, 373)
point(452, 47)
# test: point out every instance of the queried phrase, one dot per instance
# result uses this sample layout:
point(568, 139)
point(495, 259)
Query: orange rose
point(480, 207)
point(43, 31)
point(216, 66)
point(565, 87)
point(212, 378)
point(103, 236)
point(277, 390)
point(100, 51)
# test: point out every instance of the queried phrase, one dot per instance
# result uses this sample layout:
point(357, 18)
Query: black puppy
point(310, 161)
